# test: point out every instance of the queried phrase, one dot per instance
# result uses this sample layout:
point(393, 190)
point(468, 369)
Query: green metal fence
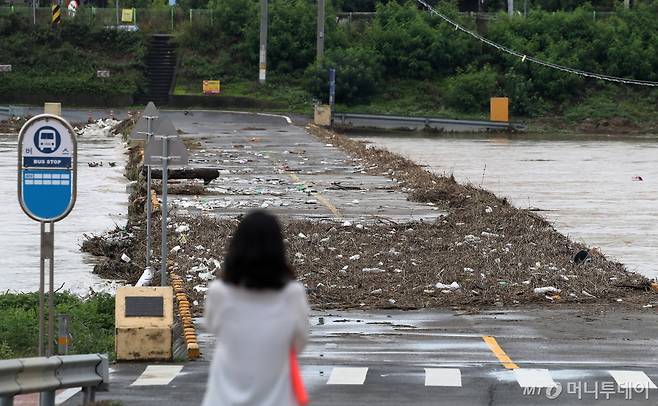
point(169, 19)
point(151, 20)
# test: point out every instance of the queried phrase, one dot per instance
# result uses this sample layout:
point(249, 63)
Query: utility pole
point(510, 7)
point(262, 64)
point(320, 46)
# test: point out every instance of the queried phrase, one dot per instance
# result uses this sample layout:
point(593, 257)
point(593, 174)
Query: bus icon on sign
point(47, 140)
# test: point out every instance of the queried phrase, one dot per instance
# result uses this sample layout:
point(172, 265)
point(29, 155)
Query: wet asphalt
point(578, 350)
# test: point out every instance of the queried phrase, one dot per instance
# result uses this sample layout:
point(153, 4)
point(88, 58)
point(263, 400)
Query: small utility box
point(499, 109)
point(144, 320)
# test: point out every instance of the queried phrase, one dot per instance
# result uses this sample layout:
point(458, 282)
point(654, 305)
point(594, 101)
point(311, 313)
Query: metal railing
point(388, 121)
point(13, 111)
point(91, 372)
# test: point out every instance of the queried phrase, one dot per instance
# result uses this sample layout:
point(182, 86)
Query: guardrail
point(91, 372)
point(386, 121)
point(13, 111)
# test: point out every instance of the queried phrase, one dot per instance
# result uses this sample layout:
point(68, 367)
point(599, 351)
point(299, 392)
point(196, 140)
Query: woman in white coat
point(258, 313)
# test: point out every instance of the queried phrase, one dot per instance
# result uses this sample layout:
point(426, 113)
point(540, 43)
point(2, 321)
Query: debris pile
point(100, 128)
point(12, 125)
point(417, 265)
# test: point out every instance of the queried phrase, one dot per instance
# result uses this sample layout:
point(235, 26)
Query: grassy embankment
point(92, 323)
point(62, 64)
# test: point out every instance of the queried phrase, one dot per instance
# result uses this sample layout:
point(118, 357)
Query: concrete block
point(53, 108)
point(144, 337)
point(143, 344)
point(322, 115)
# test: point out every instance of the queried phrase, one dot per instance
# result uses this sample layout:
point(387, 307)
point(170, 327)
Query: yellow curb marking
point(499, 353)
point(320, 197)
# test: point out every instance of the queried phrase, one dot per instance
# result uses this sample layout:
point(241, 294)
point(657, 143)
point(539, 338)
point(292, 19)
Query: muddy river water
point(101, 203)
point(600, 191)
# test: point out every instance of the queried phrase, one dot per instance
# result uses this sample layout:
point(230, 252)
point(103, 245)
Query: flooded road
point(101, 203)
point(589, 188)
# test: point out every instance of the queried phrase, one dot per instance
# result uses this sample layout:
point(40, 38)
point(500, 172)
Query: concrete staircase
point(160, 68)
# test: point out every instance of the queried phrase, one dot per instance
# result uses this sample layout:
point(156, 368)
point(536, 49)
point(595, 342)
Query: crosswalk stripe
point(66, 395)
point(534, 378)
point(158, 375)
point(632, 379)
point(347, 376)
point(443, 377)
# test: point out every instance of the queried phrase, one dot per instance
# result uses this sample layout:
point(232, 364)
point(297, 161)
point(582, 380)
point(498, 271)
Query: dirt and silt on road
point(484, 252)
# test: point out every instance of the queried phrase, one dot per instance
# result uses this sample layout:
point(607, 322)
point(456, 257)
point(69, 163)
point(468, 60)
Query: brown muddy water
point(101, 203)
point(588, 187)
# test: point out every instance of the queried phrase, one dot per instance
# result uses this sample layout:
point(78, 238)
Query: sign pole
point(42, 280)
point(149, 204)
point(165, 179)
point(51, 289)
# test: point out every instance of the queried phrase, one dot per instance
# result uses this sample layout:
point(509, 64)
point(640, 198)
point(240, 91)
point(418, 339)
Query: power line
point(532, 59)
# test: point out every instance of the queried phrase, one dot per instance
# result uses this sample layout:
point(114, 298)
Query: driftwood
point(207, 174)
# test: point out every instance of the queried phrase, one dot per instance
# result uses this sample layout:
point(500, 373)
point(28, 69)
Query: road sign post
point(144, 131)
point(165, 149)
point(47, 180)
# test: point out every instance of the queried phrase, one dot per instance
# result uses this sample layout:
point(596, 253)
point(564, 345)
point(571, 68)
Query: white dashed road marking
point(443, 377)
point(534, 378)
point(632, 379)
point(158, 375)
point(66, 395)
point(347, 376)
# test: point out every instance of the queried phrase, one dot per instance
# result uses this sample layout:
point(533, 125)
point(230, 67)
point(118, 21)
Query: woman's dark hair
point(256, 257)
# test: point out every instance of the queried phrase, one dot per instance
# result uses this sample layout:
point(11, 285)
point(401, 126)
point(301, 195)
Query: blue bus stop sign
point(47, 168)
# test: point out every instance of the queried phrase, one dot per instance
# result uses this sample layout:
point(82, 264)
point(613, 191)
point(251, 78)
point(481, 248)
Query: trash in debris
point(376, 270)
point(125, 258)
point(376, 292)
point(183, 228)
point(355, 257)
point(545, 290)
point(146, 278)
point(581, 256)
point(584, 292)
point(452, 286)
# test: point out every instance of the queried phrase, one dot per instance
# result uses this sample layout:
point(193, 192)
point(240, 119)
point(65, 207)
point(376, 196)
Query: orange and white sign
point(211, 86)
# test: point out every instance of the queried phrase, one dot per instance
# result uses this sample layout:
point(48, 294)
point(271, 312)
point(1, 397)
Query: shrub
point(92, 323)
point(358, 75)
point(470, 91)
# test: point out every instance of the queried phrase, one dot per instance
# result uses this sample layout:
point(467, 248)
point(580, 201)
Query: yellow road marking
point(321, 198)
point(499, 353)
